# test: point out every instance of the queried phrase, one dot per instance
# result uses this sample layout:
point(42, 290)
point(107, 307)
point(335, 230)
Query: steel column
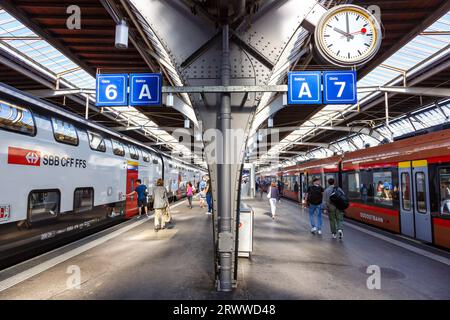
point(224, 172)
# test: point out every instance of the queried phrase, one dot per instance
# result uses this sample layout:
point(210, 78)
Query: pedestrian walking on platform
point(273, 195)
point(160, 204)
point(209, 200)
point(189, 194)
point(202, 186)
point(335, 214)
point(313, 198)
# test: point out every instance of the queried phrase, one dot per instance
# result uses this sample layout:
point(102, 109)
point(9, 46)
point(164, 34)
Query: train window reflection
point(406, 191)
point(16, 119)
point(43, 205)
point(96, 142)
point(384, 189)
point(118, 148)
point(64, 132)
point(83, 199)
point(353, 183)
point(145, 156)
point(444, 184)
point(421, 197)
point(133, 152)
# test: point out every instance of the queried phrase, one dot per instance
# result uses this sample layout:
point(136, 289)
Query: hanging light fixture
point(122, 35)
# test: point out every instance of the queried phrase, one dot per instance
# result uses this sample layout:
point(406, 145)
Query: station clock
point(348, 35)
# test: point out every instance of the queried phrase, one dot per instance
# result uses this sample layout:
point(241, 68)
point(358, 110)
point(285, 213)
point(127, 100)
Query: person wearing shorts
point(141, 191)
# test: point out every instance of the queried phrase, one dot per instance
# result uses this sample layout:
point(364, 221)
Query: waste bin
point(245, 231)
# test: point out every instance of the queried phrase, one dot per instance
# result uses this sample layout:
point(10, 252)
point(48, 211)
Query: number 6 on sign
point(111, 90)
point(339, 87)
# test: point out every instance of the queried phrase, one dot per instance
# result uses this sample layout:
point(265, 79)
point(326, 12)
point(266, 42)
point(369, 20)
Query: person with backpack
point(314, 201)
point(335, 202)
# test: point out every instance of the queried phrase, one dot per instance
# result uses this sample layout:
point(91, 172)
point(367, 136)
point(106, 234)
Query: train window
point(353, 186)
point(383, 186)
point(96, 142)
point(406, 191)
point(83, 199)
point(311, 178)
point(133, 152)
point(43, 205)
point(64, 132)
point(16, 119)
point(444, 184)
point(421, 197)
point(118, 148)
point(145, 156)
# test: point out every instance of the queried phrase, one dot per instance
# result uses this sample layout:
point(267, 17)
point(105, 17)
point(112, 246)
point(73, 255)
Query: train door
point(406, 199)
point(303, 187)
point(131, 208)
point(422, 211)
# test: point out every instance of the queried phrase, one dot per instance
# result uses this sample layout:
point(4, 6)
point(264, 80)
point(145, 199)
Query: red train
point(403, 187)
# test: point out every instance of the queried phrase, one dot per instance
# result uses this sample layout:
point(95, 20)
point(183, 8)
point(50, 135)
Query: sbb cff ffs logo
point(29, 157)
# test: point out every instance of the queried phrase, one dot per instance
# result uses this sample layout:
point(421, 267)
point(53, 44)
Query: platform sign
point(304, 87)
point(145, 89)
point(339, 87)
point(111, 90)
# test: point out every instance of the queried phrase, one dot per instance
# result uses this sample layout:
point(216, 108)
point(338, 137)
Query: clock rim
point(320, 43)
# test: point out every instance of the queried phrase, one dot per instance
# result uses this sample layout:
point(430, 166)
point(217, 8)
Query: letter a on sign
point(304, 87)
point(145, 89)
point(304, 90)
point(145, 92)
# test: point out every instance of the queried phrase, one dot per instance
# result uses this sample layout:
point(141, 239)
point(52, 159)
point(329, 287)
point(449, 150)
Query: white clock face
point(349, 36)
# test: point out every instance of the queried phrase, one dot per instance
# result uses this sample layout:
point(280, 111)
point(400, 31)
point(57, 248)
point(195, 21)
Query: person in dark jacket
point(314, 201)
point(273, 195)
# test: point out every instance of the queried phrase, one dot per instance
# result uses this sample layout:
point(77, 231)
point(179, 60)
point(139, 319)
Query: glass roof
point(25, 45)
point(411, 57)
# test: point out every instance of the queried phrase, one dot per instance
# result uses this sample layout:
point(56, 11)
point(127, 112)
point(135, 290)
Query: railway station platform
point(132, 261)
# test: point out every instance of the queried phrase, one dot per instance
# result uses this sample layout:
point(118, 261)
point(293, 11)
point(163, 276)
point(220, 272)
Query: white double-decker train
point(61, 175)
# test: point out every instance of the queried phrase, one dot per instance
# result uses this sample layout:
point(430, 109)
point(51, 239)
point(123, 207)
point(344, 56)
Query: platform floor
point(131, 261)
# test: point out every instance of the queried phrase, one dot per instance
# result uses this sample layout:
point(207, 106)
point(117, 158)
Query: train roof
point(435, 144)
point(26, 100)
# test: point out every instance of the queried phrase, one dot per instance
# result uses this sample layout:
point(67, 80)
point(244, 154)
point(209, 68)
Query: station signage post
point(339, 87)
point(111, 90)
point(145, 89)
point(304, 87)
point(316, 87)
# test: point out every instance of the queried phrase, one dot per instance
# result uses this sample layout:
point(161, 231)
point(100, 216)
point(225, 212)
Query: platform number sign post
point(145, 89)
point(111, 90)
point(339, 87)
point(304, 87)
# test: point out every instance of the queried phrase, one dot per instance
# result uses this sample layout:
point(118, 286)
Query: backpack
point(315, 195)
point(339, 199)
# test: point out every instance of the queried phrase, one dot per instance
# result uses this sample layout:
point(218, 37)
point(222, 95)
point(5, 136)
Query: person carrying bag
point(161, 205)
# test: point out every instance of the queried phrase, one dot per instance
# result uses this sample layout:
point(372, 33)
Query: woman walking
point(273, 198)
point(160, 204)
point(209, 200)
point(189, 194)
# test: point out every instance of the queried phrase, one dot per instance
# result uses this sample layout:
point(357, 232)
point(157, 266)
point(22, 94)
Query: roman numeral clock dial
point(348, 35)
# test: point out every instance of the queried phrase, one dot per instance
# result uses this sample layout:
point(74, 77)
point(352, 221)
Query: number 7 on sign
point(341, 89)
